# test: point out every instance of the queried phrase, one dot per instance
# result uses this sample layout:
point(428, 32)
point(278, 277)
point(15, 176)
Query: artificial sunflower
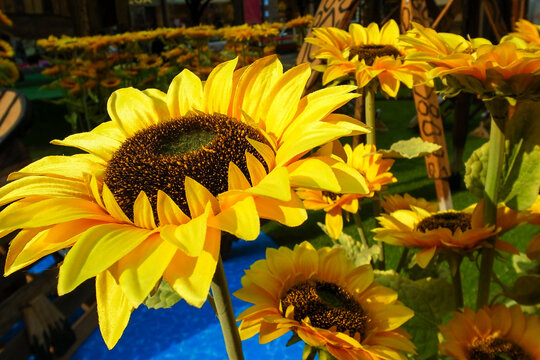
point(374, 57)
point(495, 332)
point(489, 71)
point(325, 300)
point(432, 231)
point(391, 203)
point(369, 163)
point(167, 174)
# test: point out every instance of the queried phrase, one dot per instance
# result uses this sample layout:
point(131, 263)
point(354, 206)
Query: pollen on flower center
point(369, 52)
point(326, 305)
point(451, 220)
point(493, 348)
point(159, 157)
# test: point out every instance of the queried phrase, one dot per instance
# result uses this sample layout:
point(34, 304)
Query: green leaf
point(410, 149)
point(431, 299)
point(164, 297)
point(520, 177)
point(522, 173)
point(526, 290)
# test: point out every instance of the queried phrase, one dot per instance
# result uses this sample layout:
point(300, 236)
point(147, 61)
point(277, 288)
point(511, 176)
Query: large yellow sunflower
point(328, 302)
point(430, 231)
point(365, 159)
point(167, 174)
point(368, 54)
point(495, 332)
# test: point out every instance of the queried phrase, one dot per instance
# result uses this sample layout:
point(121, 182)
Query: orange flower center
point(495, 349)
point(452, 220)
point(200, 146)
point(327, 306)
point(369, 52)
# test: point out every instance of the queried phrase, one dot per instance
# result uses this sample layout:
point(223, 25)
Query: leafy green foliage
point(431, 299)
point(410, 148)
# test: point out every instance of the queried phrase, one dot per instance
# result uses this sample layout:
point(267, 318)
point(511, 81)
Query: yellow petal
point(289, 213)
point(265, 151)
point(270, 332)
point(255, 168)
point(282, 101)
point(168, 211)
point(113, 308)
point(141, 269)
point(188, 237)
point(241, 220)
point(31, 245)
point(143, 215)
point(189, 276)
point(198, 197)
point(132, 110)
point(237, 180)
point(351, 181)
point(112, 206)
point(218, 88)
point(275, 185)
point(42, 185)
point(424, 256)
point(334, 223)
point(62, 166)
point(96, 250)
point(50, 212)
point(313, 173)
point(185, 94)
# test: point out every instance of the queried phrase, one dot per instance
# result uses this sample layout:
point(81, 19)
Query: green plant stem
point(360, 228)
point(402, 259)
point(369, 103)
point(455, 263)
point(225, 313)
point(498, 109)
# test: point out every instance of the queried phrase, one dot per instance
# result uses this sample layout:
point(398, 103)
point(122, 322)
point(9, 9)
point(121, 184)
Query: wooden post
point(429, 114)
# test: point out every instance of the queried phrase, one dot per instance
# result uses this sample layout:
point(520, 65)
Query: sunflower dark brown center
point(161, 156)
point(326, 305)
point(452, 220)
point(370, 51)
point(497, 349)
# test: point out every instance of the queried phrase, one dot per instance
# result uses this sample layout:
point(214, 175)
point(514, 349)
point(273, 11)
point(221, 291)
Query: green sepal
point(309, 352)
point(163, 297)
point(423, 327)
point(411, 148)
point(293, 340)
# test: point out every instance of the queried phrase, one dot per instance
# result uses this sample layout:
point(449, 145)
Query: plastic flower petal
point(491, 333)
point(324, 299)
point(364, 159)
point(169, 172)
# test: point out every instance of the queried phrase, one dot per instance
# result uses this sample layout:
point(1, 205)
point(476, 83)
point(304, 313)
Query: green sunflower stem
point(360, 228)
point(402, 259)
point(455, 263)
point(369, 103)
point(498, 109)
point(225, 313)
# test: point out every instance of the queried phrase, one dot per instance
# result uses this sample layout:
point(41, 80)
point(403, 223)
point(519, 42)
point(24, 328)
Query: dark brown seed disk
point(494, 348)
point(369, 52)
point(452, 220)
point(200, 146)
point(326, 305)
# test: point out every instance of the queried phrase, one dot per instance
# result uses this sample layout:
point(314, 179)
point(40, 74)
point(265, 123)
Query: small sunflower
point(110, 82)
point(6, 50)
point(430, 231)
point(167, 174)
point(371, 55)
point(324, 299)
point(4, 19)
point(391, 203)
point(495, 332)
point(369, 163)
point(8, 72)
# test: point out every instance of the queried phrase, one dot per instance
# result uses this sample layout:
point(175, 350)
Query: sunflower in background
point(369, 163)
point(372, 56)
point(391, 203)
point(4, 19)
point(9, 73)
point(325, 300)
point(159, 182)
point(494, 332)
